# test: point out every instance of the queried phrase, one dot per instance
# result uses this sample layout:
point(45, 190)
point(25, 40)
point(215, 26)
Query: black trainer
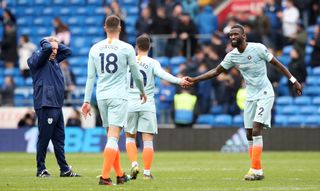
point(69, 173)
point(44, 174)
point(123, 179)
point(107, 181)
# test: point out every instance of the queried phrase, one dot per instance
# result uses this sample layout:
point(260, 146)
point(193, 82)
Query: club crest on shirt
point(249, 57)
point(50, 120)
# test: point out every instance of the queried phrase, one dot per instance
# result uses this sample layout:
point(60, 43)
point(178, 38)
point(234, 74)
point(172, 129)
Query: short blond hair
point(112, 23)
point(52, 39)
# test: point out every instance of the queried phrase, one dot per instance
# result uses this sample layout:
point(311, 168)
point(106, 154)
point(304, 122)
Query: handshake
point(187, 81)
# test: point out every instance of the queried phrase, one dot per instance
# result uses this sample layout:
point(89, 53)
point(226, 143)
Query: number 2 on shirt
point(111, 66)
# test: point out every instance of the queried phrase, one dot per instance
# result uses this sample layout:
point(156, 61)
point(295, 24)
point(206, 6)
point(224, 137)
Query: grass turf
point(172, 171)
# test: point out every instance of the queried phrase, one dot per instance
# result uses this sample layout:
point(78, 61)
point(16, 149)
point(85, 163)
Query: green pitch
point(172, 171)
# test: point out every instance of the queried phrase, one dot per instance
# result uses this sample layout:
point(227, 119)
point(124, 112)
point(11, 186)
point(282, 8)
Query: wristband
point(293, 79)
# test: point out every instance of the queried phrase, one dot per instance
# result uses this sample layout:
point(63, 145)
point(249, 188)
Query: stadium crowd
point(187, 40)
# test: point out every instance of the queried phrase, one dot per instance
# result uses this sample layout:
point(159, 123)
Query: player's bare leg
point(147, 155)
point(255, 172)
point(132, 152)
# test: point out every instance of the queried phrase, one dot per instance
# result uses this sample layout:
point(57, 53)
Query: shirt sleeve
point(226, 62)
point(264, 53)
point(161, 73)
point(137, 77)
point(90, 78)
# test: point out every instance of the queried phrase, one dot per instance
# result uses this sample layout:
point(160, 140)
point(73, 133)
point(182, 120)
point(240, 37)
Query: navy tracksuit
point(48, 95)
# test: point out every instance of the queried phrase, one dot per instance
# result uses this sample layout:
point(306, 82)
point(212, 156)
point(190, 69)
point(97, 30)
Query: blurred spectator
point(227, 26)
point(298, 69)
point(251, 33)
point(25, 50)
point(28, 120)
point(161, 25)
point(313, 12)
point(273, 12)
point(218, 45)
point(165, 106)
point(69, 81)
point(7, 91)
point(207, 22)
point(145, 22)
point(114, 9)
point(173, 46)
point(74, 119)
point(61, 31)
point(9, 52)
point(299, 39)
point(204, 93)
point(184, 108)
point(186, 32)
point(169, 6)
point(315, 43)
point(223, 88)
point(212, 57)
point(263, 27)
point(290, 18)
point(191, 7)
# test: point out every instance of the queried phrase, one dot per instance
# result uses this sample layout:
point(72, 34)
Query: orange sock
point(109, 155)
point(256, 152)
point(147, 154)
point(117, 166)
point(132, 150)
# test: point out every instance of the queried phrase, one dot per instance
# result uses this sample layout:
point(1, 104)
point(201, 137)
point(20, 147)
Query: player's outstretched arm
point(280, 67)
point(208, 75)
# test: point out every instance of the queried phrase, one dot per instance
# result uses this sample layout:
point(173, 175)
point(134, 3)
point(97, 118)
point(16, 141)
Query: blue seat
point(183, 116)
point(205, 119)
point(81, 81)
point(18, 81)
point(75, 20)
point(78, 61)
point(42, 21)
point(77, 30)
point(11, 72)
point(312, 121)
point(28, 81)
point(131, 21)
point(66, 11)
point(42, 2)
point(94, 20)
point(285, 59)
point(19, 100)
point(311, 91)
point(132, 10)
point(177, 60)
point(164, 61)
point(79, 42)
point(309, 50)
point(79, 71)
point(222, 120)
point(58, 2)
point(216, 109)
point(286, 50)
point(284, 100)
point(94, 31)
point(24, 21)
point(316, 100)
point(281, 120)
point(99, 11)
point(94, 2)
point(290, 110)
point(296, 120)
point(238, 121)
point(43, 31)
point(303, 100)
point(316, 71)
point(312, 80)
point(308, 110)
point(77, 2)
point(84, 51)
point(24, 2)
